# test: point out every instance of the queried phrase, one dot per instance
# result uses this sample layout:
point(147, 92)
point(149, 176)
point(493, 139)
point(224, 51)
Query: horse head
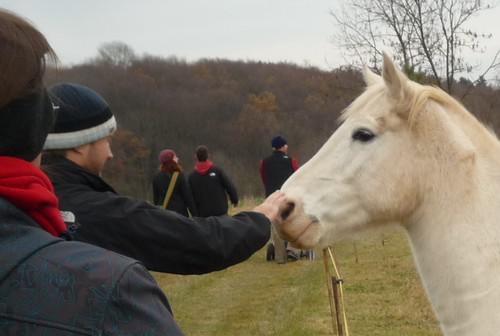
point(377, 165)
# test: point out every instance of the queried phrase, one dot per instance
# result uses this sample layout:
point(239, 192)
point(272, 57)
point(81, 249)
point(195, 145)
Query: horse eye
point(363, 135)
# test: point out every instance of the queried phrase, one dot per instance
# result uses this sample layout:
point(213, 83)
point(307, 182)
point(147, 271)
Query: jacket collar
point(64, 171)
point(279, 153)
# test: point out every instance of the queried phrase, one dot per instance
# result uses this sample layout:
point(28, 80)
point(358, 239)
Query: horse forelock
point(371, 93)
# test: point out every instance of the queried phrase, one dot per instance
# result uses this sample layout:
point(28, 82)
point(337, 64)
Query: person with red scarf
point(50, 285)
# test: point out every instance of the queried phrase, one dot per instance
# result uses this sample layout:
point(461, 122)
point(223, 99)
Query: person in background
point(164, 241)
point(170, 187)
point(276, 168)
point(274, 171)
point(210, 186)
point(50, 285)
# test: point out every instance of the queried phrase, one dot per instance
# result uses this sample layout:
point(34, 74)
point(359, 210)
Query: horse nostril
point(288, 210)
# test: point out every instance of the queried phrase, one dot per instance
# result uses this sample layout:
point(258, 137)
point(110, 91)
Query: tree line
point(233, 107)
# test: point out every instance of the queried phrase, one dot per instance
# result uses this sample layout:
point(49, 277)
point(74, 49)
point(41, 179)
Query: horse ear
point(394, 79)
point(370, 77)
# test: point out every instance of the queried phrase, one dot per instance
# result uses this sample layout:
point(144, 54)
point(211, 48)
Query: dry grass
point(383, 295)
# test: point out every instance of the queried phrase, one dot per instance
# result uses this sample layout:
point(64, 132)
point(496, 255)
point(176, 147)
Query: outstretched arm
point(165, 241)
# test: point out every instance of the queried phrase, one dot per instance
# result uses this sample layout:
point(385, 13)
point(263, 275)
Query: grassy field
point(382, 291)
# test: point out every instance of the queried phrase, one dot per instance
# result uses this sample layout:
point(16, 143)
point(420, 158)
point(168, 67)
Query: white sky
point(297, 31)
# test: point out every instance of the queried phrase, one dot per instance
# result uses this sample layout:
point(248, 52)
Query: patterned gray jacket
point(49, 286)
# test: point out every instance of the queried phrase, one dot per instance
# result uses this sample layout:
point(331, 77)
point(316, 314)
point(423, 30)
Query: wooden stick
point(329, 287)
point(335, 284)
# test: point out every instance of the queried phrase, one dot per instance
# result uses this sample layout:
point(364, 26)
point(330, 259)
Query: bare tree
point(116, 53)
point(426, 36)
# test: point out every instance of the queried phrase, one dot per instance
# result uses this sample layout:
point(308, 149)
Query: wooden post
point(329, 286)
point(336, 296)
point(335, 293)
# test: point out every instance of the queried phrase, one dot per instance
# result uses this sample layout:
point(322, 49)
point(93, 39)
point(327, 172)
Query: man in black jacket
point(50, 285)
point(210, 186)
point(276, 168)
point(162, 240)
point(274, 171)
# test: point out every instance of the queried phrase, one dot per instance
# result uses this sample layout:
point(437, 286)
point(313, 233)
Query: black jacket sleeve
point(137, 306)
point(163, 240)
point(187, 195)
point(229, 186)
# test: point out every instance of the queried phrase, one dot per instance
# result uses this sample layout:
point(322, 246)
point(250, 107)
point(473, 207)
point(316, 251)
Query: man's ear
point(78, 154)
point(82, 150)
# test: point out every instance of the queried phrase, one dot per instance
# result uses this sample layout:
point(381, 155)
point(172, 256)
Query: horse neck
point(455, 238)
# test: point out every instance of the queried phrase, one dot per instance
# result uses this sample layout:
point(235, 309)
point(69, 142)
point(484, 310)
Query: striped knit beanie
point(83, 117)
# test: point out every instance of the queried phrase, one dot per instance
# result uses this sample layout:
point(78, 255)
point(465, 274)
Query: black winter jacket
point(49, 286)
point(275, 170)
point(162, 240)
point(209, 192)
point(181, 199)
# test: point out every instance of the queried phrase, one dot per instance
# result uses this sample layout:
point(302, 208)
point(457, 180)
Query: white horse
point(411, 154)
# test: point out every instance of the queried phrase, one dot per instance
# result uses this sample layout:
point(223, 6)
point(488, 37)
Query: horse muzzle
point(300, 229)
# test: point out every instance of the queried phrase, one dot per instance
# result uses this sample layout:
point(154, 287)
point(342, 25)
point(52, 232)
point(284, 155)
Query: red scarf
point(202, 167)
point(30, 190)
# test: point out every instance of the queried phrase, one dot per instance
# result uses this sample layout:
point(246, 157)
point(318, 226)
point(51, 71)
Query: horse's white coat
point(432, 168)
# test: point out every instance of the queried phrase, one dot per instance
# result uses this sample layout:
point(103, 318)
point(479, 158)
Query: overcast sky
point(298, 31)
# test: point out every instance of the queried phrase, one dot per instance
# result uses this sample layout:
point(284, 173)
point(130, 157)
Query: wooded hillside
point(232, 107)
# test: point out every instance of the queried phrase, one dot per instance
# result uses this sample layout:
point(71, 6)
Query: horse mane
point(422, 95)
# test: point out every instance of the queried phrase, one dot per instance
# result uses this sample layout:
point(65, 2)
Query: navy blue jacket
point(49, 286)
